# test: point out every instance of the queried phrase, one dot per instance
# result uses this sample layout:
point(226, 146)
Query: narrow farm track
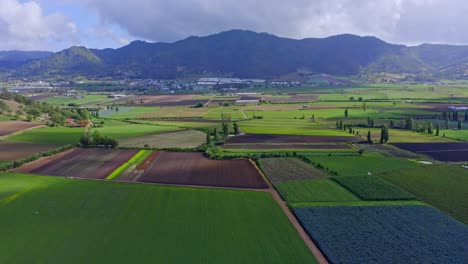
point(307, 240)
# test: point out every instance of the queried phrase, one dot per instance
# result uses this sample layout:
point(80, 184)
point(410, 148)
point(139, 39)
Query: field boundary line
point(319, 256)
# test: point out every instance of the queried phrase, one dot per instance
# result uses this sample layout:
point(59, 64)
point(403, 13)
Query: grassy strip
point(355, 203)
point(135, 160)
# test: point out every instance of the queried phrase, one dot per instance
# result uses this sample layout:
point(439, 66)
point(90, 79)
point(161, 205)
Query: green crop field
point(87, 100)
point(323, 190)
point(443, 186)
point(361, 165)
point(134, 161)
point(77, 221)
point(118, 129)
point(456, 134)
point(126, 112)
point(49, 135)
point(373, 188)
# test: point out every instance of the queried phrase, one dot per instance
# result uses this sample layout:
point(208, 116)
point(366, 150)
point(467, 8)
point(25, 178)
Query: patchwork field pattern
point(323, 190)
point(373, 188)
point(385, 234)
point(443, 186)
point(8, 127)
point(190, 168)
point(455, 152)
point(85, 163)
point(114, 222)
point(10, 151)
point(289, 169)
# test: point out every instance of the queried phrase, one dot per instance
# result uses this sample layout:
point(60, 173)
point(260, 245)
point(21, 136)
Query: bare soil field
point(191, 168)
point(388, 151)
point(180, 139)
point(8, 127)
point(85, 163)
point(10, 151)
point(452, 152)
point(268, 138)
point(28, 167)
point(286, 146)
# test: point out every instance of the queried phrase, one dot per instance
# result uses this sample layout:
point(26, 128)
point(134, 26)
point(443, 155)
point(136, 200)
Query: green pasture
point(90, 99)
point(443, 186)
point(78, 221)
point(126, 112)
point(357, 203)
point(49, 135)
point(118, 130)
point(456, 134)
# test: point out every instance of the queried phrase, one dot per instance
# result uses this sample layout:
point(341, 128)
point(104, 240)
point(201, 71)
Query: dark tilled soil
point(86, 163)
point(191, 168)
point(451, 152)
point(267, 138)
point(10, 151)
point(8, 127)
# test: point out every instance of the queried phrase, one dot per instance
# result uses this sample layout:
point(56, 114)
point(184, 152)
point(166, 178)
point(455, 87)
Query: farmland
point(323, 190)
point(268, 138)
point(415, 234)
point(54, 217)
point(373, 188)
point(180, 139)
point(455, 152)
point(184, 175)
point(49, 135)
point(10, 151)
point(361, 165)
point(289, 169)
point(443, 186)
point(8, 127)
point(84, 163)
point(189, 168)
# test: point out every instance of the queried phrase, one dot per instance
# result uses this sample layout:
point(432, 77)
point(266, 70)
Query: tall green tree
point(346, 112)
point(384, 134)
point(369, 137)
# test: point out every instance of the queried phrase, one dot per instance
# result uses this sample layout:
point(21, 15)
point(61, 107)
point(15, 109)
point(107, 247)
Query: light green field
point(321, 190)
point(456, 134)
point(443, 186)
point(119, 130)
point(91, 99)
point(356, 203)
point(49, 135)
point(287, 127)
point(77, 221)
point(400, 135)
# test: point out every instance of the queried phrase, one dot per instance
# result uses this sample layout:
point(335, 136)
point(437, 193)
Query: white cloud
point(23, 25)
point(406, 21)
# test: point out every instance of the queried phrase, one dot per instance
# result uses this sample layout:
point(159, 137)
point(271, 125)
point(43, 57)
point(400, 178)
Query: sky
point(58, 24)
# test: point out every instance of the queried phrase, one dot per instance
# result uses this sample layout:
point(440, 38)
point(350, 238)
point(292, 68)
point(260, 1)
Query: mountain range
point(244, 54)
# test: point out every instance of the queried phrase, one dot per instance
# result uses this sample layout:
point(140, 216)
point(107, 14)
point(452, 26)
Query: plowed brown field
point(9, 127)
point(189, 168)
point(86, 163)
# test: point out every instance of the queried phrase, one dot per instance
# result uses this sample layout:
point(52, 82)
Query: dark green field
point(56, 220)
point(443, 186)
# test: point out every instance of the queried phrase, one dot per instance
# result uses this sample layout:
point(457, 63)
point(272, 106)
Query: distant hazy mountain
point(14, 58)
point(253, 55)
